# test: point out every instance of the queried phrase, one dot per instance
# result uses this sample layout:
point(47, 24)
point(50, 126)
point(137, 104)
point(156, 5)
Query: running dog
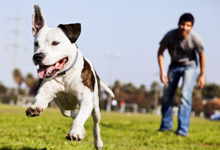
point(66, 77)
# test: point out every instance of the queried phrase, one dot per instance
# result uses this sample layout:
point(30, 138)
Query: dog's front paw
point(76, 134)
point(33, 111)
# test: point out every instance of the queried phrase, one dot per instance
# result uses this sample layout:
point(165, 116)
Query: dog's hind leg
point(66, 113)
point(96, 115)
point(69, 113)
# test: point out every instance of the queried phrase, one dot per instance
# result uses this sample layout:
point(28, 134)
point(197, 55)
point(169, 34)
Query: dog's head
point(54, 48)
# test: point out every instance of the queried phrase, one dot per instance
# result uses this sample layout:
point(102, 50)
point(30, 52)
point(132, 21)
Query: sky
point(131, 28)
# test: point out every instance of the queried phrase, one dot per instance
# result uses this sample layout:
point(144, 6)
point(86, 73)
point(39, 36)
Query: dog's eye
point(36, 44)
point(54, 43)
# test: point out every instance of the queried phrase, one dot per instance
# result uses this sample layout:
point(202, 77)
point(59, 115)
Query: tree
point(30, 81)
point(210, 91)
point(143, 87)
point(155, 90)
point(117, 83)
point(2, 88)
point(18, 79)
point(128, 88)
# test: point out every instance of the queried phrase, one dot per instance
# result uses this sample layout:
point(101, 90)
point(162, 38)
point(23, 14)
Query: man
point(182, 44)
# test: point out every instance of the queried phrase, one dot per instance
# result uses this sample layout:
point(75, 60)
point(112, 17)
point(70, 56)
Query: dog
point(66, 77)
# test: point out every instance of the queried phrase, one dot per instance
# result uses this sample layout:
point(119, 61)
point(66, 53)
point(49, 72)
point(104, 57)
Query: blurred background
point(121, 39)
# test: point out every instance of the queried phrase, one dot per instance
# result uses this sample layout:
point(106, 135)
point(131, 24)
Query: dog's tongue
point(43, 70)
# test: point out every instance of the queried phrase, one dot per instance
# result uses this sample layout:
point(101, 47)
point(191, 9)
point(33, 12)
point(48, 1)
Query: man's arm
point(201, 80)
point(163, 75)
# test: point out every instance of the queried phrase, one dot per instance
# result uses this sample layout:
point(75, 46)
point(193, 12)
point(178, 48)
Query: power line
point(17, 32)
point(16, 44)
point(112, 56)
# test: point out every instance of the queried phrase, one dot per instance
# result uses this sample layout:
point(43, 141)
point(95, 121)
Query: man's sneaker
point(165, 130)
point(179, 134)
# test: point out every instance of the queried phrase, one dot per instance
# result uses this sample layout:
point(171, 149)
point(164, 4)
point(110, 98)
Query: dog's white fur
point(67, 91)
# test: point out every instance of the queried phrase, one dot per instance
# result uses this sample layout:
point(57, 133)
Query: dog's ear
point(72, 31)
point(38, 20)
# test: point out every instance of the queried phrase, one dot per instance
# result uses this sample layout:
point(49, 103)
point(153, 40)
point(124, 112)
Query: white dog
point(66, 76)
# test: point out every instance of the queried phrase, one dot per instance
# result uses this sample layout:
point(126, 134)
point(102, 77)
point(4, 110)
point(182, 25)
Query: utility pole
point(156, 90)
point(16, 42)
point(156, 97)
point(15, 45)
point(112, 56)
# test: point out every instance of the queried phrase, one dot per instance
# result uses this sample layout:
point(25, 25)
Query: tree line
point(29, 80)
point(127, 92)
point(150, 98)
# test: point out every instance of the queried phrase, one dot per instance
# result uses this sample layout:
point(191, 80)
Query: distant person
point(182, 45)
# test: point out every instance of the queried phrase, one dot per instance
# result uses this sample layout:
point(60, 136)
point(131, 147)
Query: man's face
point(184, 28)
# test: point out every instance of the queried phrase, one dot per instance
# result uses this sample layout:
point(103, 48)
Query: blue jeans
point(188, 73)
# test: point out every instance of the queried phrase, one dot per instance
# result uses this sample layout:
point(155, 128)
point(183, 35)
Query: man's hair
point(187, 17)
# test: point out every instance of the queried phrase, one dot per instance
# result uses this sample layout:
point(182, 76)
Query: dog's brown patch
point(88, 78)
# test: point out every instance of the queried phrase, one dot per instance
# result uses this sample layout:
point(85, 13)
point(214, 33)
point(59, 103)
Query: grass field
point(118, 132)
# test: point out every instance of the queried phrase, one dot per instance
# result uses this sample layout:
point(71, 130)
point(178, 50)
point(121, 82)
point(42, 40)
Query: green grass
point(118, 132)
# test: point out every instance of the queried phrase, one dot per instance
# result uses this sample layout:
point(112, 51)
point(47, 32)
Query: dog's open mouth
point(50, 71)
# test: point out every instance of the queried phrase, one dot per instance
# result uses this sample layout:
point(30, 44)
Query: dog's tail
point(109, 91)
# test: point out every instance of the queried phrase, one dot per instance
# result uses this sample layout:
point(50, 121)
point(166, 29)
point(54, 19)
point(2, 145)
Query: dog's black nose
point(38, 58)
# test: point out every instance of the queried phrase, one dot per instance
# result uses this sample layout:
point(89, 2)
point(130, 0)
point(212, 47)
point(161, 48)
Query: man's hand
point(164, 78)
point(163, 75)
point(201, 82)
